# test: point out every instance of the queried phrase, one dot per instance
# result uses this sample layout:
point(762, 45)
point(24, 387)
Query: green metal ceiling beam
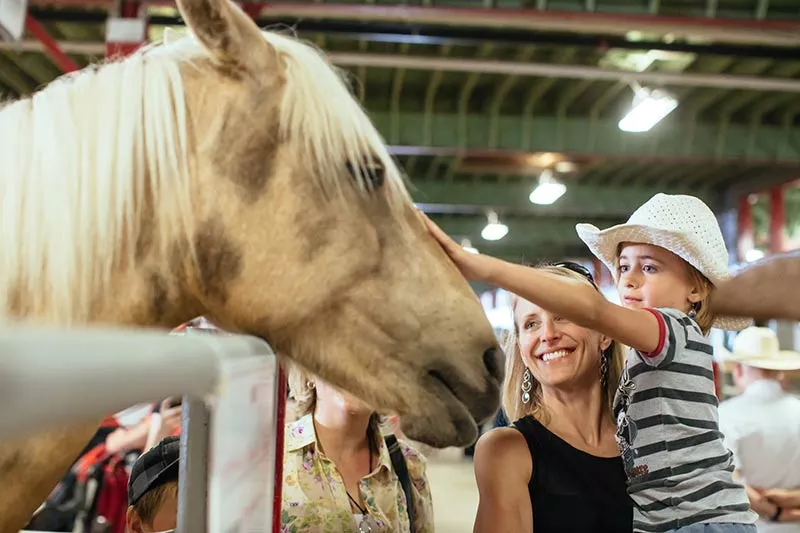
point(522, 231)
point(530, 239)
point(583, 201)
point(668, 139)
point(534, 253)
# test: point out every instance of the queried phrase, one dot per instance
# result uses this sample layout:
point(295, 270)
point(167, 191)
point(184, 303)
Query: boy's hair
point(149, 504)
point(154, 476)
point(705, 318)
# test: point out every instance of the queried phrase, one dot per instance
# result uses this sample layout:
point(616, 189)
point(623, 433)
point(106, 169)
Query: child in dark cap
point(153, 489)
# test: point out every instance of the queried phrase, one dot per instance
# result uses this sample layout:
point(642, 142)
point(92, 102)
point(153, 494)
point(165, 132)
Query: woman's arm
point(503, 468)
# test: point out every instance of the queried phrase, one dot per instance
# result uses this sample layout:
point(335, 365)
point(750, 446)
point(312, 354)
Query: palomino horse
point(232, 174)
point(764, 290)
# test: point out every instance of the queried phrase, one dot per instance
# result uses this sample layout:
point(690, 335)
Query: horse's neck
point(146, 298)
point(32, 466)
point(137, 297)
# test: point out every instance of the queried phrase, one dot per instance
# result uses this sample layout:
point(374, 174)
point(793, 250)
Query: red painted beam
point(745, 228)
point(777, 219)
point(62, 60)
point(280, 424)
point(775, 32)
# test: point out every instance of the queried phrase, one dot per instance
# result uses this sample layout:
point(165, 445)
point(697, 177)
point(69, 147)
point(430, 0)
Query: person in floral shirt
point(338, 475)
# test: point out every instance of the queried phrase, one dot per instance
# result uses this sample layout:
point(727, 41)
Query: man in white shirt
point(762, 429)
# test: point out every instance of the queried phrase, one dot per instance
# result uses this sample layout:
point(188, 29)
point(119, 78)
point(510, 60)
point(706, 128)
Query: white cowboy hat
point(759, 348)
point(682, 224)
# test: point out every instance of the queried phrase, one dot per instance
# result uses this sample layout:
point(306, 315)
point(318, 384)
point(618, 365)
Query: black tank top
point(572, 491)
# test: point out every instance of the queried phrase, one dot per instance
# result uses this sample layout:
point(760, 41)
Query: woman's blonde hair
point(513, 406)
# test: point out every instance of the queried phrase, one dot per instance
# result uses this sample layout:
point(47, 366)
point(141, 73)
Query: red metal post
point(280, 424)
point(745, 229)
point(62, 60)
point(777, 219)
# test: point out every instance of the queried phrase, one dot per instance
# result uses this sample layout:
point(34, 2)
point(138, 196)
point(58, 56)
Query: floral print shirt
point(314, 496)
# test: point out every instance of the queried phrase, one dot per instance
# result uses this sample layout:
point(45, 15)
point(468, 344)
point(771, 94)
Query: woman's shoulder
point(504, 440)
point(503, 453)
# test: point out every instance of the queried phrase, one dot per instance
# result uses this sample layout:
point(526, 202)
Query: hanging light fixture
point(548, 190)
point(466, 244)
point(494, 230)
point(649, 107)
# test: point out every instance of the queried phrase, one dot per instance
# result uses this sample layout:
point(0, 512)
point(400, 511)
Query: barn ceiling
point(478, 98)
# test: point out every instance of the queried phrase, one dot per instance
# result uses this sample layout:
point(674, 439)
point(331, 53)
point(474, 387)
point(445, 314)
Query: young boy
point(153, 489)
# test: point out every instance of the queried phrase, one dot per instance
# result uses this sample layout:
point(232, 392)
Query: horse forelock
point(83, 159)
point(320, 113)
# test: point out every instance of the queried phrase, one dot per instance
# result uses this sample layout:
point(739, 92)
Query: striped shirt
point(679, 471)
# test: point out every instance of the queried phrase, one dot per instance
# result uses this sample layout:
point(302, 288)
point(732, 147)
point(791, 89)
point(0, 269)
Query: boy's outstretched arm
point(575, 301)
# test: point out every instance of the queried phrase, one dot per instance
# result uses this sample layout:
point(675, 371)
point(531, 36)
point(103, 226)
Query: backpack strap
point(400, 468)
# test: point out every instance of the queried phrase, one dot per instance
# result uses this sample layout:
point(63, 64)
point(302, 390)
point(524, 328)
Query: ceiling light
point(467, 245)
point(565, 167)
point(649, 107)
point(494, 230)
point(548, 190)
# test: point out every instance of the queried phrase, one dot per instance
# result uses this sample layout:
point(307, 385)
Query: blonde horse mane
point(84, 157)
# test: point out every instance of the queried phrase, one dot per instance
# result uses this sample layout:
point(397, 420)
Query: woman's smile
point(552, 355)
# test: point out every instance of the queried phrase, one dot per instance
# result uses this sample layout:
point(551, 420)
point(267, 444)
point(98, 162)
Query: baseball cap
point(159, 465)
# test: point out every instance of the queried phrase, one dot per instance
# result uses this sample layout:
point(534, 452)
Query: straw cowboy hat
point(682, 224)
point(758, 347)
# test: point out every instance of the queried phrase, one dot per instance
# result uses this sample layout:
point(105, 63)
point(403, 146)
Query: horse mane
point(86, 155)
point(319, 107)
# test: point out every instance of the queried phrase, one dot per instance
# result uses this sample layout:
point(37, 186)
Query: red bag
point(112, 501)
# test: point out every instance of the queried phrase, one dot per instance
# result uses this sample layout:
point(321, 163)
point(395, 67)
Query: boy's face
point(650, 276)
point(165, 519)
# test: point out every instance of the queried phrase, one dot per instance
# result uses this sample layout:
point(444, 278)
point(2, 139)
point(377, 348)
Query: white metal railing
point(55, 377)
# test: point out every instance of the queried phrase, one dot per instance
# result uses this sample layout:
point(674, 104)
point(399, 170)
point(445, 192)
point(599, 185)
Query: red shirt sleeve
point(662, 333)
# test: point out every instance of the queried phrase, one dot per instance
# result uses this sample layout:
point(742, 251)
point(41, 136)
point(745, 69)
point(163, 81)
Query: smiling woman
point(558, 465)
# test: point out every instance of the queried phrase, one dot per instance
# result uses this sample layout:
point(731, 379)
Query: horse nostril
point(492, 362)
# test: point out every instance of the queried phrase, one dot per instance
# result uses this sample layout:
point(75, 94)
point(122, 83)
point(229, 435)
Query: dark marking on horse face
point(219, 259)
point(159, 296)
point(13, 459)
point(317, 233)
point(248, 154)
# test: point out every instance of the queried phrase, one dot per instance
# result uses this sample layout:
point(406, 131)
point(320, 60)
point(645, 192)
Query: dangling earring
point(693, 310)
point(310, 384)
point(526, 386)
point(604, 368)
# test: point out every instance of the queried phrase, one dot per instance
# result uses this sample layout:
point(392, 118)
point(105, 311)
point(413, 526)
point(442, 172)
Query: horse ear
point(232, 38)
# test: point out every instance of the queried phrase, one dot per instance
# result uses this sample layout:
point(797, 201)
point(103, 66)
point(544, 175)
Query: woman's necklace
point(368, 523)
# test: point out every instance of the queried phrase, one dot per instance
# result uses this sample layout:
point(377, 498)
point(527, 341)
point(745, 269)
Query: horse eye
point(374, 172)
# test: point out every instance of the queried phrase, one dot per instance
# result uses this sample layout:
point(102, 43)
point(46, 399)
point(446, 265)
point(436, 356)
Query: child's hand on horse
point(473, 266)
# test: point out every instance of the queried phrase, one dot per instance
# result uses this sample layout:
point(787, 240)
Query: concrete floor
point(453, 489)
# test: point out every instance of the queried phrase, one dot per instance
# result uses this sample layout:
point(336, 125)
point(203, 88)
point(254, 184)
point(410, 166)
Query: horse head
point(304, 233)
